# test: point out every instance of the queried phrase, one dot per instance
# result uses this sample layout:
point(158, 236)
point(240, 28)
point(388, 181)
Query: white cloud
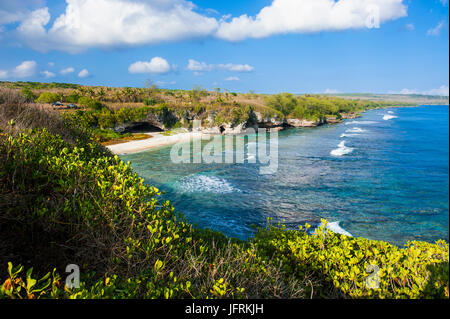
point(236, 67)
point(48, 74)
point(232, 78)
point(3, 74)
point(437, 29)
point(292, 16)
point(119, 23)
point(199, 67)
point(67, 70)
point(51, 64)
point(14, 11)
point(114, 23)
point(157, 65)
point(443, 90)
point(83, 73)
point(25, 69)
point(164, 83)
point(331, 91)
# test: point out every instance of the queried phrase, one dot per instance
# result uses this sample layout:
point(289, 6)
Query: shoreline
point(157, 139)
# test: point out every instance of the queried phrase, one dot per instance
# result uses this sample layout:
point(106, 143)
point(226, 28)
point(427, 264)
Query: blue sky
point(298, 46)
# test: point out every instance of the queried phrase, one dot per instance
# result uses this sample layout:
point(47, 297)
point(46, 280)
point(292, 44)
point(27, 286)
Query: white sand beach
point(157, 140)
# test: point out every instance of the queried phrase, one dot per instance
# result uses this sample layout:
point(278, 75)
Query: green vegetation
point(420, 270)
point(48, 97)
point(38, 85)
point(313, 107)
point(66, 199)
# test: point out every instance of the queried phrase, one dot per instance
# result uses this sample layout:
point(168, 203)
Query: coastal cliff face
point(166, 119)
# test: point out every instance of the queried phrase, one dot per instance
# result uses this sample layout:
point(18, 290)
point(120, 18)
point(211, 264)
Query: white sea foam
point(206, 184)
point(388, 117)
point(355, 130)
point(341, 150)
point(336, 228)
point(361, 122)
point(390, 112)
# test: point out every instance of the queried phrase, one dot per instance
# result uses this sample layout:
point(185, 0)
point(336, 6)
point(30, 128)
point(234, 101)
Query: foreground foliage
point(72, 202)
point(359, 267)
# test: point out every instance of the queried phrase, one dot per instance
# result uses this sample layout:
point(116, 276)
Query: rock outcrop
point(165, 119)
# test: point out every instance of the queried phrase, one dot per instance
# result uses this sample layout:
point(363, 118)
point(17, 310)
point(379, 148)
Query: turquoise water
point(389, 181)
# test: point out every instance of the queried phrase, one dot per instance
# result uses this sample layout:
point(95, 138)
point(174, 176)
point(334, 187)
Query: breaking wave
point(341, 150)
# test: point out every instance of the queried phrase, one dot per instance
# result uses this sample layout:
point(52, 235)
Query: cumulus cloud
point(156, 65)
point(119, 23)
point(114, 23)
point(199, 67)
point(67, 70)
point(232, 78)
point(436, 30)
point(443, 90)
point(83, 73)
point(236, 67)
point(14, 11)
point(25, 69)
point(48, 74)
point(292, 16)
point(164, 83)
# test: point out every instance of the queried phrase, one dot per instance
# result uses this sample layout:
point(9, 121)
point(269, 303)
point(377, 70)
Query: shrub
point(149, 101)
point(28, 95)
point(419, 270)
point(48, 97)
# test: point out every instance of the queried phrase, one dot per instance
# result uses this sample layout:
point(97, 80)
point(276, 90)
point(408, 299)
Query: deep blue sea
point(383, 176)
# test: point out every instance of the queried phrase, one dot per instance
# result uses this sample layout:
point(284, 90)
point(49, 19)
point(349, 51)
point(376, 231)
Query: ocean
point(383, 176)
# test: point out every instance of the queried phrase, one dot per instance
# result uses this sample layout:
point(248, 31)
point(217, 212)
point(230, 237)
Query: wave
point(360, 122)
point(355, 130)
point(206, 184)
point(390, 112)
point(341, 150)
point(336, 228)
point(388, 117)
point(349, 135)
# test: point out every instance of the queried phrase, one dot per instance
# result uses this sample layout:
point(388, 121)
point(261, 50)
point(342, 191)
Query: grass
point(124, 139)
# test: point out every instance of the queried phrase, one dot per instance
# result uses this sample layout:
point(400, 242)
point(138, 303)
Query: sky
point(265, 46)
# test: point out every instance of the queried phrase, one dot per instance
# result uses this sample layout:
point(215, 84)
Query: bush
point(28, 95)
point(149, 101)
point(72, 98)
point(420, 270)
point(91, 103)
point(48, 97)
